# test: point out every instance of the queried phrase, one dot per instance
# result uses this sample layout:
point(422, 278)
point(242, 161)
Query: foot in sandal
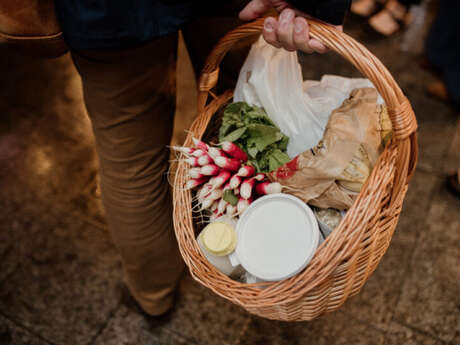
point(438, 90)
point(453, 183)
point(390, 20)
point(364, 8)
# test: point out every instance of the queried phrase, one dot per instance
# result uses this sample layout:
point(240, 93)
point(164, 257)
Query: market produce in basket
point(332, 174)
point(295, 299)
point(233, 174)
point(249, 128)
point(219, 177)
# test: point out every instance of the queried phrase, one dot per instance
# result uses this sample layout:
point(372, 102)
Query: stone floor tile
point(205, 317)
point(430, 296)
point(41, 167)
point(128, 327)
point(11, 333)
point(400, 335)
point(331, 329)
point(377, 300)
point(435, 138)
point(66, 279)
point(452, 161)
point(45, 107)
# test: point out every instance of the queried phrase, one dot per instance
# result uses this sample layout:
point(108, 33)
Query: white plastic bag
point(272, 78)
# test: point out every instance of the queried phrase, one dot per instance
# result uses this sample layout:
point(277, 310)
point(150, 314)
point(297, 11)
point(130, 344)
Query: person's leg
point(130, 98)
point(442, 50)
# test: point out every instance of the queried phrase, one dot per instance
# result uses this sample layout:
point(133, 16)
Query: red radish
point(227, 186)
point(222, 206)
point(204, 191)
point(210, 198)
point(246, 171)
point(246, 187)
point(231, 164)
point(220, 179)
point(193, 161)
point(198, 153)
point(235, 181)
point(214, 206)
point(205, 159)
point(215, 215)
point(230, 210)
point(195, 182)
point(236, 191)
point(268, 188)
point(216, 194)
point(210, 170)
point(207, 203)
point(234, 151)
point(195, 173)
point(242, 205)
point(183, 149)
point(199, 144)
point(260, 177)
point(215, 152)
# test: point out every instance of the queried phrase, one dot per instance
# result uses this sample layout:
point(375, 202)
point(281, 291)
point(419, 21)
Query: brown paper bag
point(330, 174)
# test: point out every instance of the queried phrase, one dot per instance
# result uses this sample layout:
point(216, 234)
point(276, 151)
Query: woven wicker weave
point(347, 258)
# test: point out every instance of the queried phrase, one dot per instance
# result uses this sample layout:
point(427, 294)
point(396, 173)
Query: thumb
point(255, 9)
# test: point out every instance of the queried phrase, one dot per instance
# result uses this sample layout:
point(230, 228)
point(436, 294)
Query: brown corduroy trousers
point(130, 98)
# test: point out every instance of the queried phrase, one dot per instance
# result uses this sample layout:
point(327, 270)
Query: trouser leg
point(440, 48)
point(130, 98)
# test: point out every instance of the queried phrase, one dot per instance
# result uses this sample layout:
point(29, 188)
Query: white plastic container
point(217, 250)
point(277, 237)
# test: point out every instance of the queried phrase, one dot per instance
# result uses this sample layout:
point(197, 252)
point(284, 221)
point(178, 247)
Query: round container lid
point(219, 238)
point(277, 237)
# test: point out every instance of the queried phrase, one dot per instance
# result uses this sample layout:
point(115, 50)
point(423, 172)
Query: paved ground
point(60, 277)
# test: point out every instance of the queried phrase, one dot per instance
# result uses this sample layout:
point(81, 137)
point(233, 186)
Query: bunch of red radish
point(217, 169)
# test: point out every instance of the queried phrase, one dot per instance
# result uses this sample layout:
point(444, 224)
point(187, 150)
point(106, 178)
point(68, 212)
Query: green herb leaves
point(251, 128)
point(230, 197)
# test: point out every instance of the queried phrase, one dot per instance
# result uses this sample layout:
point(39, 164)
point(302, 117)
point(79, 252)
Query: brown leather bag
point(31, 26)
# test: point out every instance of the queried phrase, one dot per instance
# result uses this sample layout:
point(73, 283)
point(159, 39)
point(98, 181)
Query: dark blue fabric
point(330, 11)
point(115, 24)
point(443, 47)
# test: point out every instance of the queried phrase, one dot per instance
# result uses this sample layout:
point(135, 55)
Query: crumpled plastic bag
point(331, 174)
point(272, 78)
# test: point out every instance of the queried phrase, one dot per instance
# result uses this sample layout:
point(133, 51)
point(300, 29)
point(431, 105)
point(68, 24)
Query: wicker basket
point(347, 258)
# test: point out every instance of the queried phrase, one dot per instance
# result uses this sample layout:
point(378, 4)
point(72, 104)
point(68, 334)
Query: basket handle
point(399, 108)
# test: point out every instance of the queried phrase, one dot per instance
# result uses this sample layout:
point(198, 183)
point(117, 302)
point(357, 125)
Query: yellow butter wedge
point(219, 238)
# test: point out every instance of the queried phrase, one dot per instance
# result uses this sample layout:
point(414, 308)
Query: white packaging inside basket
point(272, 78)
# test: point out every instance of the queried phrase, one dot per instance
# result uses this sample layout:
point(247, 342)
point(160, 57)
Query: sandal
point(391, 19)
point(453, 183)
point(438, 90)
point(364, 8)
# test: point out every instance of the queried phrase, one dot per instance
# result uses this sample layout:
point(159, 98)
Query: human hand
point(290, 31)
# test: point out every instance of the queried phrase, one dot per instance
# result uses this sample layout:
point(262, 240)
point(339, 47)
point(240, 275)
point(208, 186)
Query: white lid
point(277, 237)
